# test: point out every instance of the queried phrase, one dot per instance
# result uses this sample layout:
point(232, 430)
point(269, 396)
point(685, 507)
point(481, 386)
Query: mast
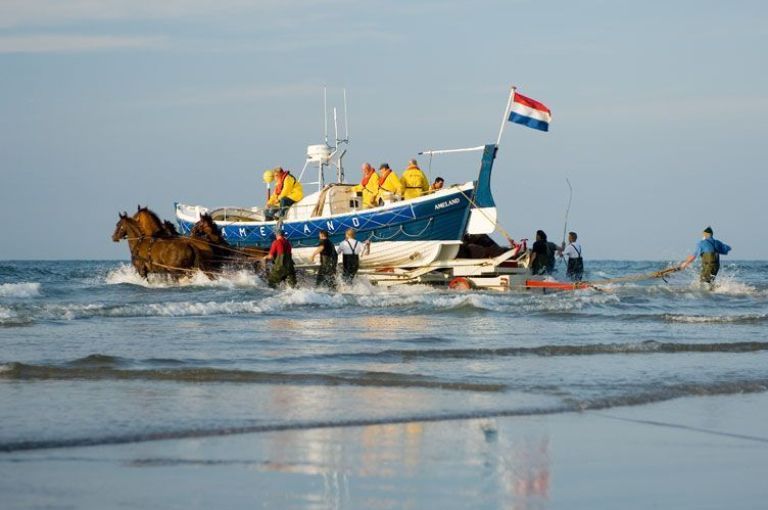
point(506, 113)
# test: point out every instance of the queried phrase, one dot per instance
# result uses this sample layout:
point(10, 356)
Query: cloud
point(239, 95)
point(25, 13)
point(48, 43)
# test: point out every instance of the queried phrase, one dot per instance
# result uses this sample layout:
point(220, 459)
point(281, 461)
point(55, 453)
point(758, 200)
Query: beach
point(689, 453)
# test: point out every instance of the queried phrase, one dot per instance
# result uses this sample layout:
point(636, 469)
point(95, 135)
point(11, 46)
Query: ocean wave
point(717, 319)
point(22, 371)
point(9, 318)
point(20, 290)
point(126, 274)
point(648, 347)
point(280, 301)
point(291, 299)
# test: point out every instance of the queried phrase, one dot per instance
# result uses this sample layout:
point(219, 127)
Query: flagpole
point(506, 113)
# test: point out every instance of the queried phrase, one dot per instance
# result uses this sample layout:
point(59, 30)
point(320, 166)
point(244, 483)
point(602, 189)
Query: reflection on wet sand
point(349, 461)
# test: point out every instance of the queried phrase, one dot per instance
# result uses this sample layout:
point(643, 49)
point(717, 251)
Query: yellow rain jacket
point(370, 190)
point(391, 184)
point(291, 189)
point(413, 182)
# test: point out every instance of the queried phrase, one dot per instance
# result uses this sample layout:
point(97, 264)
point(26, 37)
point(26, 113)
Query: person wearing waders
point(709, 249)
point(575, 263)
point(351, 250)
point(282, 262)
point(326, 274)
point(542, 255)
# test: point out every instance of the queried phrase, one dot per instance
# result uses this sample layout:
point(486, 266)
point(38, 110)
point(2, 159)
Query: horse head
point(207, 229)
point(121, 231)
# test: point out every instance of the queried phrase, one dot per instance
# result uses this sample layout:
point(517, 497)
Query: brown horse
point(207, 230)
point(176, 257)
point(206, 233)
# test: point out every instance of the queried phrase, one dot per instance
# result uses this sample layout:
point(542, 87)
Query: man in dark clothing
point(542, 255)
point(282, 262)
point(326, 274)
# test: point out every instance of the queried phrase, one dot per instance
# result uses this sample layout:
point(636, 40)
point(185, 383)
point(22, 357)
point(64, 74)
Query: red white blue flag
point(529, 112)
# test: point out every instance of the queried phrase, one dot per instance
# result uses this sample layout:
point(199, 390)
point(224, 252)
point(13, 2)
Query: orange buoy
point(461, 283)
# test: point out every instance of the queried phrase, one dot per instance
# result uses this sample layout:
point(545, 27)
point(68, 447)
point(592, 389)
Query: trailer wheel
point(461, 283)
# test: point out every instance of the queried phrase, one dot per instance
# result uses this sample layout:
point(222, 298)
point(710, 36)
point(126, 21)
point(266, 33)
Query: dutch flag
point(529, 112)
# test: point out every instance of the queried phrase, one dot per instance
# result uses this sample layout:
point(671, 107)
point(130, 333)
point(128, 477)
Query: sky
point(659, 111)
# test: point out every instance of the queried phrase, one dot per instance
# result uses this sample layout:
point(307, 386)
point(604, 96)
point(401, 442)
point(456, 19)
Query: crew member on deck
point(282, 262)
point(369, 185)
point(572, 253)
point(709, 249)
point(413, 181)
point(389, 184)
point(438, 184)
point(287, 192)
point(351, 250)
point(326, 274)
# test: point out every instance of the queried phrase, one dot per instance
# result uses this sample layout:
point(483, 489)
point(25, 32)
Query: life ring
point(461, 283)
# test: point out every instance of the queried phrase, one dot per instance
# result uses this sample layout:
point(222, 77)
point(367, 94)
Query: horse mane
point(171, 228)
point(151, 213)
point(209, 219)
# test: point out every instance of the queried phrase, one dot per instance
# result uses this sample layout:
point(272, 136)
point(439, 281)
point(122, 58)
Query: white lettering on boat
point(447, 203)
point(330, 226)
point(262, 232)
point(355, 222)
point(242, 232)
point(306, 229)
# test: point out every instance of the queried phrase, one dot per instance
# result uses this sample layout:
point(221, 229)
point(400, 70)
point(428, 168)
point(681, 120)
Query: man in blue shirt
point(709, 249)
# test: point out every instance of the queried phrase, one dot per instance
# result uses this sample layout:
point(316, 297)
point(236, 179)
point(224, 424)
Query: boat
point(403, 233)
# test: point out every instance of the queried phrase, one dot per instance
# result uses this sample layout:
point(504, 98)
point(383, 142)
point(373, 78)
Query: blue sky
point(659, 110)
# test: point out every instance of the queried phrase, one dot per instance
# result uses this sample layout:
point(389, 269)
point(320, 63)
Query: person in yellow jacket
point(413, 181)
point(369, 185)
point(287, 192)
point(389, 184)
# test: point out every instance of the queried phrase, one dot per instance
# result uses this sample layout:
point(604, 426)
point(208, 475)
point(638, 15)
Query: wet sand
point(697, 453)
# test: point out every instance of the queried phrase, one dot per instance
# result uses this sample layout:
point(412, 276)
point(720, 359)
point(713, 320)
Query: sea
point(90, 354)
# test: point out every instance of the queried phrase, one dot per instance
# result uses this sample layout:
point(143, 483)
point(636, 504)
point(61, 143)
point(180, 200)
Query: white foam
point(20, 290)
point(126, 274)
point(714, 319)
point(6, 314)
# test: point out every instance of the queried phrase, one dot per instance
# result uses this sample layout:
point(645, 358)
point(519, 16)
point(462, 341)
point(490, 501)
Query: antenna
point(346, 120)
point(325, 113)
point(336, 126)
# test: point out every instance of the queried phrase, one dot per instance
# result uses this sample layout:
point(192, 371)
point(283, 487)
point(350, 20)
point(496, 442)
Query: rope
point(636, 277)
point(480, 210)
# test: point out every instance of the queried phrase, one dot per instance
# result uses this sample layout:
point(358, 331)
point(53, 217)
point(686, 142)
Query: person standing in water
point(282, 262)
point(709, 249)
point(574, 262)
point(351, 250)
point(326, 274)
point(542, 254)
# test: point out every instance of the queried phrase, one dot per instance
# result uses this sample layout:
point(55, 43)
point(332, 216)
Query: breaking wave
point(126, 274)
point(103, 369)
point(19, 290)
point(717, 319)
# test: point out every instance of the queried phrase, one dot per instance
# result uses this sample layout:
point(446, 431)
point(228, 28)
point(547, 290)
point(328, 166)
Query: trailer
point(506, 272)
